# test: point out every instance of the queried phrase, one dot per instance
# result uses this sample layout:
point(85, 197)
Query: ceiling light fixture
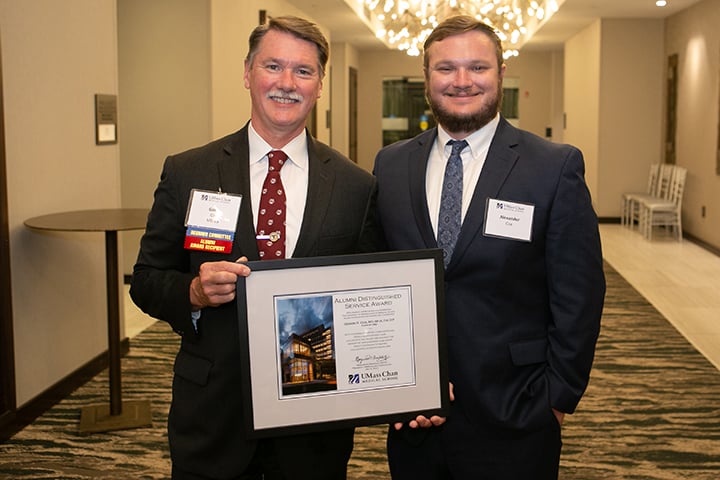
point(405, 24)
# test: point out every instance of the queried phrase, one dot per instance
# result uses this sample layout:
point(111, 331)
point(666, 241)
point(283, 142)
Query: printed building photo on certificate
point(307, 351)
point(344, 341)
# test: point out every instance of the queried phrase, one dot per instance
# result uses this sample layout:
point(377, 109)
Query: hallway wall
point(164, 94)
point(632, 81)
point(694, 35)
point(614, 80)
point(615, 99)
point(56, 56)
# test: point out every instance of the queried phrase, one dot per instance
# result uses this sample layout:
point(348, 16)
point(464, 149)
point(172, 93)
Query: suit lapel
point(321, 179)
point(501, 159)
point(234, 171)
point(417, 166)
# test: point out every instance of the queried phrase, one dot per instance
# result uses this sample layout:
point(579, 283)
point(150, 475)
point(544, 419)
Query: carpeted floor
point(652, 412)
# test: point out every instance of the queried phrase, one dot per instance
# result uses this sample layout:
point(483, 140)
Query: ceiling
point(573, 16)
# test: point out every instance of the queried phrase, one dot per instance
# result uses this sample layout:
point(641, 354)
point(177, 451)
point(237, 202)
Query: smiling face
point(463, 82)
point(285, 81)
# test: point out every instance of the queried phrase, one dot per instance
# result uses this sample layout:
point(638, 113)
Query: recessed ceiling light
point(661, 3)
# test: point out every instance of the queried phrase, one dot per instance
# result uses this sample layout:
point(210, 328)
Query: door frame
point(8, 400)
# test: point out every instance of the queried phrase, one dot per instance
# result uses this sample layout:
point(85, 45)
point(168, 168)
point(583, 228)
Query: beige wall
point(164, 84)
point(582, 99)
point(56, 56)
point(344, 57)
point(615, 104)
point(231, 22)
point(536, 72)
point(613, 101)
point(557, 111)
point(695, 37)
point(630, 118)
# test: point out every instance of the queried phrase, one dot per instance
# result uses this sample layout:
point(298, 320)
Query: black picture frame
point(385, 327)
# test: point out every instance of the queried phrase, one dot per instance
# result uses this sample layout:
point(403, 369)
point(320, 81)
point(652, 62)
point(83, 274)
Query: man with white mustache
point(329, 210)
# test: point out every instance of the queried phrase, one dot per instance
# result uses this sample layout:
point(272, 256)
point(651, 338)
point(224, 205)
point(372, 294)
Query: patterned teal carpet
point(652, 412)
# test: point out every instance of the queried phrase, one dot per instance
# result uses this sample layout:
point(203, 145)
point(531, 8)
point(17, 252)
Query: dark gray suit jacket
point(522, 317)
point(205, 424)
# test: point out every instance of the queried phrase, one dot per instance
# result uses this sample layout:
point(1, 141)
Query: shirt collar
point(296, 149)
point(478, 141)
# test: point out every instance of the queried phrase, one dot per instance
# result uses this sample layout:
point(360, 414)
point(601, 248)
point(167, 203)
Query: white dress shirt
point(294, 176)
point(473, 159)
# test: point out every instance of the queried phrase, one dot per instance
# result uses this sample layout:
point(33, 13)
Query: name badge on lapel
point(508, 220)
point(211, 220)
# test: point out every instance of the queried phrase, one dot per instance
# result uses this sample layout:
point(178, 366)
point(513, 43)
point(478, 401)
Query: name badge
point(508, 219)
point(211, 220)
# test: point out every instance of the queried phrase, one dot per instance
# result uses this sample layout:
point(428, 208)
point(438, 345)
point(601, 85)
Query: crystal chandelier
point(405, 24)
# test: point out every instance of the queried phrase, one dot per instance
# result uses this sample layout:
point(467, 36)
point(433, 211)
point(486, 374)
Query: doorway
point(671, 109)
point(353, 114)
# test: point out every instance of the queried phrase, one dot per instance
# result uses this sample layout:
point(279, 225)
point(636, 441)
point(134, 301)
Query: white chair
point(660, 189)
point(630, 199)
point(665, 212)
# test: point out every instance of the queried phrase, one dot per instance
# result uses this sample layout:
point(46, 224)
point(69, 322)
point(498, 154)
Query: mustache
point(281, 95)
point(464, 92)
point(455, 122)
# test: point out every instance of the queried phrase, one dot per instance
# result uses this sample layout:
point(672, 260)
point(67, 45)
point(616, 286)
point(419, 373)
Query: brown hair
point(296, 26)
point(462, 24)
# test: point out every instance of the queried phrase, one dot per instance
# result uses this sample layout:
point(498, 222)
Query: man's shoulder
point(337, 160)
point(217, 148)
point(529, 140)
point(409, 144)
point(325, 151)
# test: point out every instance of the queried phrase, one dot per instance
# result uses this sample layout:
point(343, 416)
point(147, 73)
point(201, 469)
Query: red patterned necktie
point(271, 215)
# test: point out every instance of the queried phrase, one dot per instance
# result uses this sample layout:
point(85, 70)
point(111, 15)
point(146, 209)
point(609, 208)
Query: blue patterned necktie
point(449, 220)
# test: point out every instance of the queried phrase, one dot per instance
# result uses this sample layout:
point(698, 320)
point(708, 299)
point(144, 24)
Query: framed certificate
point(333, 342)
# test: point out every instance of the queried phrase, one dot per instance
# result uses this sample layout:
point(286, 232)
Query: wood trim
point(7, 350)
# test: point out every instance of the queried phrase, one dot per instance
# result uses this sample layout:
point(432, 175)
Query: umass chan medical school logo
point(372, 377)
point(510, 206)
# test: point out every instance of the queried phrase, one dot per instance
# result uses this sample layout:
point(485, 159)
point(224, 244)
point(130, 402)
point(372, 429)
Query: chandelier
point(405, 24)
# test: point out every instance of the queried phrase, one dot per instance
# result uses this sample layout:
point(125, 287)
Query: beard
point(469, 123)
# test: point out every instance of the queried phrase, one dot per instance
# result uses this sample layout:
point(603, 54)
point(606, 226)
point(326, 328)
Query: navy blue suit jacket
point(205, 425)
point(522, 317)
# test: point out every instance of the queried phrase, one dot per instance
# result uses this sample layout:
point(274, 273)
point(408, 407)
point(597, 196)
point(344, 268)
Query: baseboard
point(710, 248)
point(14, 421)
point(609, 220)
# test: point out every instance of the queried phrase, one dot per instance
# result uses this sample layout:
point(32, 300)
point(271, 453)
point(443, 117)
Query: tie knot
point(457, 146)
point(276, 159)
